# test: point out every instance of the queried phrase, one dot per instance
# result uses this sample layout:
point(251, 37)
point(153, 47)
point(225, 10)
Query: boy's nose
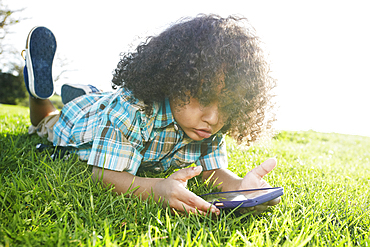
point(211, 114)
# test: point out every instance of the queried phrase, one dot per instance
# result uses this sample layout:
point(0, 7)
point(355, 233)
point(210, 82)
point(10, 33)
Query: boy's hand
point(254, 179)
point(172, 190)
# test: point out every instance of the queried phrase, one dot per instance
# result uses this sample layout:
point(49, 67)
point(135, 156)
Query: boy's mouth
point(204, 133)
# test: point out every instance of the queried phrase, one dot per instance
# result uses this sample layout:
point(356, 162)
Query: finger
point(186, 208)
point(273, 202)
point(249, 210)
point(264, 168)
point(187, 173)
point(177, 212)
point(254, 210)
point(194, 203)
point(260, 208)
point(198, 203)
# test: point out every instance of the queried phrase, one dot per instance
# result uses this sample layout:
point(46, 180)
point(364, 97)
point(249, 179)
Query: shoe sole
point(40, 50)
point(70, 93)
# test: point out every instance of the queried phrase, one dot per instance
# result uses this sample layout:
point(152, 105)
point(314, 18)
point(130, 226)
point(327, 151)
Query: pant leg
point(46, 126)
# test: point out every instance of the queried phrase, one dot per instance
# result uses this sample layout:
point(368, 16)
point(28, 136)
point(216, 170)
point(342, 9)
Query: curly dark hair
point(188, 60)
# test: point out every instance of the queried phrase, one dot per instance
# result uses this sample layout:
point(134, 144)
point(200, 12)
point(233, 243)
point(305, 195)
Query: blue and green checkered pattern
point(111, 131)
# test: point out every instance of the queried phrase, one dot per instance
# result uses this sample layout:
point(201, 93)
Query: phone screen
point(235, 195)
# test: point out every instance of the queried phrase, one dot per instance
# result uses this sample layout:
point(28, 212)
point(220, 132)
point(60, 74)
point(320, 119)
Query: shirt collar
point(164, 117)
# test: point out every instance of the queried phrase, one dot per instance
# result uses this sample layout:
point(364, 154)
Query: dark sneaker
point(40, 50)
point(71, 91)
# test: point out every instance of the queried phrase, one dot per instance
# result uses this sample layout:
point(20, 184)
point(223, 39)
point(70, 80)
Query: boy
point(179, 94)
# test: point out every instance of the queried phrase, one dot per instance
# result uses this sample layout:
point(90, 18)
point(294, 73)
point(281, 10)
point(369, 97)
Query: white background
point(319, 50)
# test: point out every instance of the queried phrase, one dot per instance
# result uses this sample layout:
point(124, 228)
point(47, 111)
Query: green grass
point(326, 178)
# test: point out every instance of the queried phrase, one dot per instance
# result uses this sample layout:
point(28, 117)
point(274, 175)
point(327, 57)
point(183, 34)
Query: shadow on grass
point(17, 149)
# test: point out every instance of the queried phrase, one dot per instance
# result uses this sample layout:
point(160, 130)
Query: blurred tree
point(12, 88)
point(11, 83)
point(7, 19)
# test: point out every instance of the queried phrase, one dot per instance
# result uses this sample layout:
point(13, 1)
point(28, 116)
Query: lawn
point(326, 179)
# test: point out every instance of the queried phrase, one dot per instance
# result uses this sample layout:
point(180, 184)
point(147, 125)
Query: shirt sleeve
point(214, 154)
point(112, 150)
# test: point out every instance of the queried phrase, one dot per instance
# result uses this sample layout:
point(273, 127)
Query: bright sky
point(319, 50)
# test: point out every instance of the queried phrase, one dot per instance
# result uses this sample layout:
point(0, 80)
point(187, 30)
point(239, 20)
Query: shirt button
point(176, 127)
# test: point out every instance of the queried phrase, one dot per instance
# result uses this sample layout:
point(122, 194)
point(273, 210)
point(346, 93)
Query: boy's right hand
point(172, 191)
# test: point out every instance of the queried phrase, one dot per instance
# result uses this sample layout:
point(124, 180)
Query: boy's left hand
point(254, 179)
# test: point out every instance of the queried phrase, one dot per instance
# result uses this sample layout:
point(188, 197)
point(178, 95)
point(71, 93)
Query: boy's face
point(197, 121)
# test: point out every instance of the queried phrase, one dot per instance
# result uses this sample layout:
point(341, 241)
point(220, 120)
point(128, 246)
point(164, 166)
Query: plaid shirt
point(111, 131)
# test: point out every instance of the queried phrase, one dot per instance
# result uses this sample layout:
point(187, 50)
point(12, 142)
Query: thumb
point(265, 167)
point(187, 173)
